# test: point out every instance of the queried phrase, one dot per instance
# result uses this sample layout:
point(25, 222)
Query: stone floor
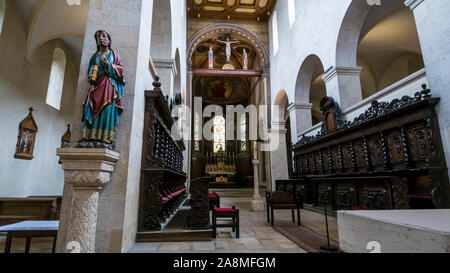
point(257, 236)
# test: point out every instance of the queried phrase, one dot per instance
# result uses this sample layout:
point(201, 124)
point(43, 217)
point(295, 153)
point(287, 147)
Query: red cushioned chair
point(225, 217)
point(280, 201)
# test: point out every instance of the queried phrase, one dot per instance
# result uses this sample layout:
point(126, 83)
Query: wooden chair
point(227, 217)
point(282, 201)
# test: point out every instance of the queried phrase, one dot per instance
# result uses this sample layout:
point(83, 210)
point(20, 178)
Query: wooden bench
point(14, 210)
point(29, 230)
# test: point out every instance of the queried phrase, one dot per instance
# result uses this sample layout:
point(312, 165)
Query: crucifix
point(228, 49)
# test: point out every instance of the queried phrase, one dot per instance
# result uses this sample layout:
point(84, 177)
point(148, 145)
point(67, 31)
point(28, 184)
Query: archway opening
point(310, 89)
point(389, 48)
point(227, 65)
point(381, 39)
point(56, 80)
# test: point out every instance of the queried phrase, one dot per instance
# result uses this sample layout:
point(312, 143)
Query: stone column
point(86, 171)
point(130, 27)
point(278, 155)
point(166, 70)
point(344, 85)
point(433, 26)
point(257, 202)
point(301, 118)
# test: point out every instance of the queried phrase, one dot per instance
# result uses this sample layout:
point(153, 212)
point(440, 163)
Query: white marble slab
point(404, 231)
point(31, 225)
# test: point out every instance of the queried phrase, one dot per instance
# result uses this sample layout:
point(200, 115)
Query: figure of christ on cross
point(228, 49)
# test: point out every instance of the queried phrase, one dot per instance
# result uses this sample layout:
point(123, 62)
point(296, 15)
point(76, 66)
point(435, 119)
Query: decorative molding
point(299, 106)
point(376, 110)
point(166, 64)
point(341, 70)
point(412, 4)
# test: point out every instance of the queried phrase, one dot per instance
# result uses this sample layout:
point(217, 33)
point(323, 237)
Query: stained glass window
point(243, 129)
point(219, 134)
point(197, 128)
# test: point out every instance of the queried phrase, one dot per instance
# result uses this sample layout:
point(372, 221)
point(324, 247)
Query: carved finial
point(156, 83)
point(31, 110)
point(426, 92)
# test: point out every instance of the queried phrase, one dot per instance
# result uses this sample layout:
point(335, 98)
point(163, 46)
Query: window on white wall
point(275, 32)
point(2, 14)
point(56, 82)
point(291, 10)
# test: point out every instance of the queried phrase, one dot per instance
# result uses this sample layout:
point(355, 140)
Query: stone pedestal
point(87, 171)
point(257, 203)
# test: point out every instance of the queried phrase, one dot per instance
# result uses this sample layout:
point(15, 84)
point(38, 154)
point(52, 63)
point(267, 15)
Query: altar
point(221, 167)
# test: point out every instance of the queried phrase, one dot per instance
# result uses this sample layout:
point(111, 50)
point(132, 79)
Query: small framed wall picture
point(26, 138)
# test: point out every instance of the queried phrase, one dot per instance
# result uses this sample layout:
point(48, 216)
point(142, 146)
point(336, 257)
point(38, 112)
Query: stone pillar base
point(87, 171)
point(257, 205)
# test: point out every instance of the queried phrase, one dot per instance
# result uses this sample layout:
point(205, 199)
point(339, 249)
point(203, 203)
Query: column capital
point(87, 168)
point(412, 4)
point(299, 106)
point(166, 64)
point(341, 70)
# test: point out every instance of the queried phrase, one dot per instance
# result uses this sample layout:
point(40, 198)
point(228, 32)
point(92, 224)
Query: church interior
point(224, 126)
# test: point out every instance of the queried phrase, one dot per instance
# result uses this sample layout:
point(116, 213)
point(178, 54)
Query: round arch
point(349, 33)
point(310, 70)
point(238, 31)
point(282, 102)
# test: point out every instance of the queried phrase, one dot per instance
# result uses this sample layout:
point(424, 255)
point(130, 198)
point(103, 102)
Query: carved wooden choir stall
point(162, 188)
point(390, 157)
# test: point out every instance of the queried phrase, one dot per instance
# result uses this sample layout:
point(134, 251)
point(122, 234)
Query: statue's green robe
point(103, 105)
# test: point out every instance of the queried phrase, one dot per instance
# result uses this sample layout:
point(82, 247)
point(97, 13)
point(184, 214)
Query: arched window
point(243, 129)
point(275, 32)
point(56, 82)
point(291, 10)
point(197, 128)
point(2, 14)
point(219, 134)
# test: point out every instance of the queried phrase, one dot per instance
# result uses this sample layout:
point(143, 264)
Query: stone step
point(235, 192)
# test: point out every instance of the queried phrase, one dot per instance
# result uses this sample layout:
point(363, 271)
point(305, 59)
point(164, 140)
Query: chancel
point(224, 126)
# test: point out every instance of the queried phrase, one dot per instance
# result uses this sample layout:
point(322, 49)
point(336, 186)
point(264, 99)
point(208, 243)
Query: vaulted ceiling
point(259, 10)
point(45, 20)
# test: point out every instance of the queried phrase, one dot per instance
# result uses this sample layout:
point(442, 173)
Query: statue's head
point(103, 39)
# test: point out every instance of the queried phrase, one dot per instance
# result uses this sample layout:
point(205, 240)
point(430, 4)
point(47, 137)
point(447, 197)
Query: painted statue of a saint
point(228, 47)
point(245, 59)
point(103, 105)
point(210, 58)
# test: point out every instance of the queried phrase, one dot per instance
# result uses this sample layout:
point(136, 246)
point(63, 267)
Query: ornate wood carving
point(200, 204)
point(162, 179)
point(398, 139)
